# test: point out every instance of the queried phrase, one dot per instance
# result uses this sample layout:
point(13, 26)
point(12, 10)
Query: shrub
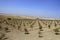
point(13, 25)
point(8, 18)
point(26, 31)
point(0, 21)
point(57, 31)
point(49, 26)
point(7, 30)
point(55, 24)
point(40, 26)
point(7, 22)
point(0, 27)
point(18, 27)
point(40, 35)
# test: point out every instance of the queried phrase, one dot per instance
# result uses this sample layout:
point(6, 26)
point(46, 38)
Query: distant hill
point(26, 17)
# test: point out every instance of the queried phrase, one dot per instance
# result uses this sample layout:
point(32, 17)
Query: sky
point(44, 8)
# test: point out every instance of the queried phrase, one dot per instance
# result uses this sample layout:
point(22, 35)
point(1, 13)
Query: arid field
point(14, 27)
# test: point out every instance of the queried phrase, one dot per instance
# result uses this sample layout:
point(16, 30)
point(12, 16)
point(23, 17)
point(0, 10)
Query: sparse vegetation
point(7, 30)
point(49, 26)
point(0, 21)
point(18, 27)
point(0, 27)
point(31, 26)
point(26, 31)
point(56, 31)
point(40, 34)
point(14, 26)
point(55, 25)
point(8, 18)
point(7, 22)
point(3, 36)
point(27, 25)
point(40, 26)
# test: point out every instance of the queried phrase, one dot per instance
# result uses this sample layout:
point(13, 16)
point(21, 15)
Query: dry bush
point(26, 31)
point(56, 31)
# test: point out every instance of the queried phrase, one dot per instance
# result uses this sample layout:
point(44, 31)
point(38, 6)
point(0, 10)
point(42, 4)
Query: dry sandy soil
point(21, 28)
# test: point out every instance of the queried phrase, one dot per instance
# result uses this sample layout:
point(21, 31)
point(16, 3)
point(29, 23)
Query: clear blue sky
point(46, 8)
